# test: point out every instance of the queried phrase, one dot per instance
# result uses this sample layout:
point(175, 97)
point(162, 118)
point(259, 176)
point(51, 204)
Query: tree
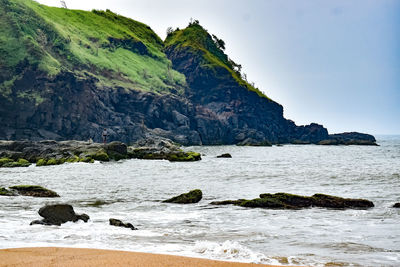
point(169, 31)
point(219, 42)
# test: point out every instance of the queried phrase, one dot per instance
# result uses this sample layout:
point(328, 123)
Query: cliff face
point(67, 74)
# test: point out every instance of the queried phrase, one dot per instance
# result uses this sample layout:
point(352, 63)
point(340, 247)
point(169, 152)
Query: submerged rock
point(193, 196)
point(396, 205)
point(34, 191)
point(59, 214)
point(290, 201)
point(225, 155)
point(119, 223)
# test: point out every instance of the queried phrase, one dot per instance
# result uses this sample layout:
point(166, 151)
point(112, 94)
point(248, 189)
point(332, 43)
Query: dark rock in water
point(396, 205)
point(59, 214)
point(34, 191)
point(290, 201)
point(253, 142)
point(193, 196)
point(225, 155)
point(117, 150)
point(157, 148)
point(352, 138)
point(327, 201)
point(119, 223)
point(5, 192)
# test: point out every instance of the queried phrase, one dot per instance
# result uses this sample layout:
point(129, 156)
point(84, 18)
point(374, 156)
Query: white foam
point(231, 251)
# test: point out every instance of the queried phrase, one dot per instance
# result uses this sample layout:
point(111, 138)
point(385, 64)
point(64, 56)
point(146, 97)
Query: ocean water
point(132, 191)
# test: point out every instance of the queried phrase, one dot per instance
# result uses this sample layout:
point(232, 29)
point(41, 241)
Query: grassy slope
point(196, 37)
point(57, 39)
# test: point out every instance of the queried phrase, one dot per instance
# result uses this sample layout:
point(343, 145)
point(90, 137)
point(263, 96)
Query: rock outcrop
point(33, 191)
point(290, 201)
point(119, 223)
point(396, 205)
point(59, 214)
point(193, 196)
point(49, 152)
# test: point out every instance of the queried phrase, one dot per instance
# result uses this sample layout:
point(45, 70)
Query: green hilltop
point(118, 51)
point(212, 48)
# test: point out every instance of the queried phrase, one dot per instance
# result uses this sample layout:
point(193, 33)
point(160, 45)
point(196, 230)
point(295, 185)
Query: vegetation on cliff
point(116, 50)
point(212, 48)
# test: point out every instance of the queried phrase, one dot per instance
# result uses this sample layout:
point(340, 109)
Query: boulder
point(396, 205)
point(290, 201)
point(34, 191)
point(193, 196)
point(119, 223)
point(158, 148)
point(225, 155)
point(59, 214)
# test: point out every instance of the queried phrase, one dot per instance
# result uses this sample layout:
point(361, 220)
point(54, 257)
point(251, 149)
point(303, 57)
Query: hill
point(67, 74)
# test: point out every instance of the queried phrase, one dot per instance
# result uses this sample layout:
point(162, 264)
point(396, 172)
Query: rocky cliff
point(67, 74)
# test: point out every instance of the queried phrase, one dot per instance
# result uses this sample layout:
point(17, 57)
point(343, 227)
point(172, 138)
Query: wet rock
point(396, 205)
point(158, 149)
point(10, 163)
point(34, 191)
point(59, 214)
point(117, 150)
point(119, 223)
point(225, 155)
point(193, 196)
point(290, 201)
point(253, 142)
point(327, 201)
point(5, 192)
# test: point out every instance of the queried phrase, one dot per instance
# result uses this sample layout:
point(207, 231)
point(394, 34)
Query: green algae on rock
point(193, 196)
point(291, 201)
point(34, 191)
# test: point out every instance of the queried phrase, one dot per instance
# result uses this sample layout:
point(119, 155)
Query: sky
point(333, 62)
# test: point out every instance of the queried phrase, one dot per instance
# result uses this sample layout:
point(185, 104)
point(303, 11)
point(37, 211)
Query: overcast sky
point(336, 63)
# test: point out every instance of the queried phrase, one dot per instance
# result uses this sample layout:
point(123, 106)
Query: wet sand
point(72, 257)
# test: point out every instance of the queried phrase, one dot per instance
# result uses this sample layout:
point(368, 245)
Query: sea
point(133, 190)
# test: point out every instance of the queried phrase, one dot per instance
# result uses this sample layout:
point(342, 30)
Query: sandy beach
point(96, 257)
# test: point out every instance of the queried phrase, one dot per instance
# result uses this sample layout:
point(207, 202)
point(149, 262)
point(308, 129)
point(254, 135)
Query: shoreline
point(63, 256)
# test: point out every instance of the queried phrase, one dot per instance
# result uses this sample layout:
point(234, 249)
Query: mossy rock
point(184, 156)
point(4, 161)
point(327, 201)
point(24, 162)
point(193, 196)
point(291, 201)
point(5, 192)
point(52, 161)
point(86, 160)
point(116, 156)
point(9, 163)
point(41, 162)
point(34, 191)
point(73, 159)
point(100, 156)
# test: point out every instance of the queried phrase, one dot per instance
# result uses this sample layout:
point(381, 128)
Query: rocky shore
point(49, 152)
